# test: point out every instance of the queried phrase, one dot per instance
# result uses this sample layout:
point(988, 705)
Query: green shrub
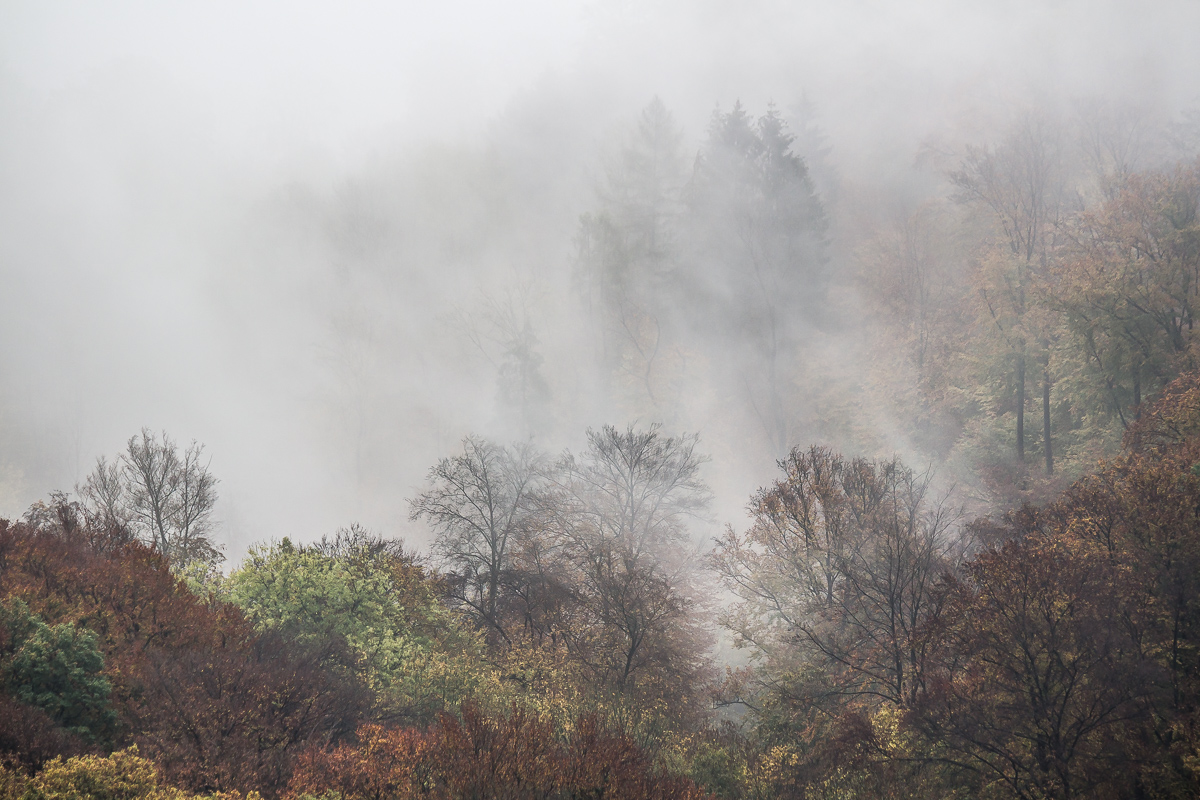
point(59, 669)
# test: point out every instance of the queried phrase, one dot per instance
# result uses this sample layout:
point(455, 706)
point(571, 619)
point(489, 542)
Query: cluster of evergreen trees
point(725, 261)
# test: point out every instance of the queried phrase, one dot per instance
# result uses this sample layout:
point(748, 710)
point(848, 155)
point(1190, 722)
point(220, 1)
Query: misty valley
point(673, 402)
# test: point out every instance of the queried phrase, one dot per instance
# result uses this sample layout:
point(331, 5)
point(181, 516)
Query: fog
point(300, 234)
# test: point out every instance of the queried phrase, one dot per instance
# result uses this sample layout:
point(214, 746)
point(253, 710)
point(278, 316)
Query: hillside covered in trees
point(558, 649)
point(600, 400)
point(872, 631)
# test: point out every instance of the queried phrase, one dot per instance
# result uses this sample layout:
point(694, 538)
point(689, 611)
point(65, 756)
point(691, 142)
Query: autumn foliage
point(509, 756)
point(216, 705)
point(1053, 652)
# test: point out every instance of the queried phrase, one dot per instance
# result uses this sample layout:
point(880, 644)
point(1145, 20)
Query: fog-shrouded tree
point(587, 555)
point(839, 572)
point(1115, 142)
point(1128, 285)
point(620, 512)
point(757, 268)
point(166, 497)
point(500, 327)
point(638, 488)
point(627, 251)
point(480, 503)
point(910, 274)
point(1021, 184)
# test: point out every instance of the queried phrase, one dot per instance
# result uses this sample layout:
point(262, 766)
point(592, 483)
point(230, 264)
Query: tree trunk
point(1046, 420)
point(1137, 393)
point(1021, 407)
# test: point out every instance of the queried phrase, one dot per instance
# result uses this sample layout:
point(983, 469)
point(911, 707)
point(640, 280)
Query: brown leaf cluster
point(216, 705)
point(509, 757)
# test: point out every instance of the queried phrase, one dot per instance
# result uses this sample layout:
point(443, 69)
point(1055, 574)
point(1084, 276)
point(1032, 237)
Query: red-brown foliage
point(1070, 649)
point(1043, 677)
point(508, 757)
point(29, 738)
point(218, 706)
point(1171, 420)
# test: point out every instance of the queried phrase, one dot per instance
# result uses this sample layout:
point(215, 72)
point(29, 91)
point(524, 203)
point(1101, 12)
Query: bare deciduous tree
point(103, 493)
point(164, 496)
point(620, 513)
point(588, 554)
point(634, 487)
point(479, 503)
point(839, 569)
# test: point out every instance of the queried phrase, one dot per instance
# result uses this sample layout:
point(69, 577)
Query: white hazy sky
point(330, 74)
point(277, 78)
point(344, 75)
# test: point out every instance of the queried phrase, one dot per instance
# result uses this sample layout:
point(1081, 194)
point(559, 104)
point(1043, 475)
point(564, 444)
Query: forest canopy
point(683, 446)
point(553, 642)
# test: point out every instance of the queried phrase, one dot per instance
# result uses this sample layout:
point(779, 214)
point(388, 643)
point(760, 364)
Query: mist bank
point(312, 245)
